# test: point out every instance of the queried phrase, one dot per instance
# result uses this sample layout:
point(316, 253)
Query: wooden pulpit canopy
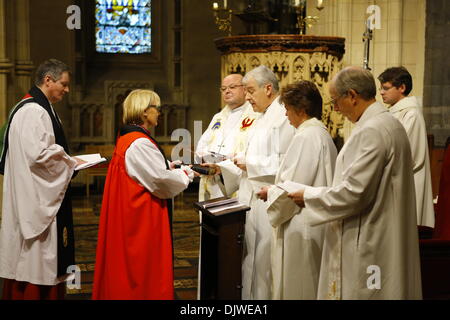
point(292, 58)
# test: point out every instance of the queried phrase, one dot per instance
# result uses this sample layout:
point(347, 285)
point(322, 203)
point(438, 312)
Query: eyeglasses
point(231, 87)
point(333, 102)
point(385, 89)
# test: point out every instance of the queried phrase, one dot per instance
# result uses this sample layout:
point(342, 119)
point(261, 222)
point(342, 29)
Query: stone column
point(5, 69)
point(23, 64)
point(5, 65)
point(436, 100)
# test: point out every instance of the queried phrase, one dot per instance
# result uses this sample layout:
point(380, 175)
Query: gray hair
point(262, 76)
point(358, 79)
point(53, 68)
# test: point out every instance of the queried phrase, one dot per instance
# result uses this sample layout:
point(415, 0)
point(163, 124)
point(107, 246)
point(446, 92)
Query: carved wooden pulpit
point(292, 58)
point(221, 248)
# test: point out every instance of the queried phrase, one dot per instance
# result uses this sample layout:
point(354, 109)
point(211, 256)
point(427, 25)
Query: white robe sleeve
point(231, 175)
point(39, 170)
point(360, 180)
point(145, 165)
point(300, 165)
point(417, 138)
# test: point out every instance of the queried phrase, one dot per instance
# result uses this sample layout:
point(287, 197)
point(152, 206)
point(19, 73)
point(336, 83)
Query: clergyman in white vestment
point(266, 148)
point(396, 84)
point(226, 135)
point(371, 247)
point(310, 159)
point(35, 248)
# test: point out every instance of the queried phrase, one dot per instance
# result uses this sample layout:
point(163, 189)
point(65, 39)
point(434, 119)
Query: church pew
point(436, 155)
point(435, 252)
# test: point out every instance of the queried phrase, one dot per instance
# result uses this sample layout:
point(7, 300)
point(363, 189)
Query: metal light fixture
point(222, 16)
point(303, 20)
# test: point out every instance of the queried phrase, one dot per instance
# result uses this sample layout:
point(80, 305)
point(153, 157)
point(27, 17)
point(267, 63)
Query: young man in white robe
point(371, 247)
point(226, 135)
point(267, 146)
point(310, 159)
point(36, 235)
point(396, 84)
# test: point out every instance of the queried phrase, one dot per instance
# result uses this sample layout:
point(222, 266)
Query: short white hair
point(358, 79)
point(262, 76)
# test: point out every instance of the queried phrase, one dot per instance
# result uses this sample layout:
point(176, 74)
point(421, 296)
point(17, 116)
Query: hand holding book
point(88, 160)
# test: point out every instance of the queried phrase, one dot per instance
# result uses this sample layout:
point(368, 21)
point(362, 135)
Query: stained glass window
point(123, 26)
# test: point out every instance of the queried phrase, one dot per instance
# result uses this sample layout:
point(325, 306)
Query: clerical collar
point(372, 110)
point(133, 128)
point(404, 103)
point(271, 104)
point(237, 109)
point(39, 96)
point(311, 122)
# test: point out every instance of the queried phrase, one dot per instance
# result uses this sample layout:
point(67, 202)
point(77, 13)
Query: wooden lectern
point(222, 241)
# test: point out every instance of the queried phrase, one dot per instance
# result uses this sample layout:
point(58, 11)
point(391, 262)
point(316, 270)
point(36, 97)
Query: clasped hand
point(212, 165)
point(239, 162)
point(186, 168)
point(298, 198)
point(262, 194)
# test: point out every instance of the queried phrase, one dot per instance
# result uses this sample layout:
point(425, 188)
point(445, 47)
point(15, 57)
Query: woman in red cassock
point(134, 249)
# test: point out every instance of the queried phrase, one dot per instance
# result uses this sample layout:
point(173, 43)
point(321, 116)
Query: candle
point(215, 6)
point(319, 3)
point(224, 4)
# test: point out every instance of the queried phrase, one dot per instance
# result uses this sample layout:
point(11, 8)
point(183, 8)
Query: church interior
point(187, 48)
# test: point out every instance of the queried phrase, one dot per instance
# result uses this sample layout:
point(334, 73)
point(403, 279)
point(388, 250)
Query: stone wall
point(399, 41)
point(437, 71)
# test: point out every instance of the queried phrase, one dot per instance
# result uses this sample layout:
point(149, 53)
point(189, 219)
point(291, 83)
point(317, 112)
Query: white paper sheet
point(91, 160)
point(290, 186)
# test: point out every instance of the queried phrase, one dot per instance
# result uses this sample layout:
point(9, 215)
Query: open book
point(218, 202)
point(229, 206)
point(221, 205)
point(213, 157)
point(91, 160)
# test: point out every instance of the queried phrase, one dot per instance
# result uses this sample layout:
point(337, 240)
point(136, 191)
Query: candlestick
point(319, 5)
point(223, 17)
point(304, 21)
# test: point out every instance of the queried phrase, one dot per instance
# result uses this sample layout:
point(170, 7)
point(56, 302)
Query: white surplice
point(371, 247)
point(408, 112)
point(226, 134)
point(145, 164)
point(266, 148)
point(297, 246)
point(37, 174)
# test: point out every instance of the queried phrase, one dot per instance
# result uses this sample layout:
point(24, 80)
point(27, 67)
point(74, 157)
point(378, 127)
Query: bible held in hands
point(200, 169)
